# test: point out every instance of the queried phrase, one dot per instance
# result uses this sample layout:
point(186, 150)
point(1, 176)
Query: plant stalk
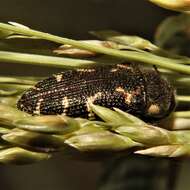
point(128, 55)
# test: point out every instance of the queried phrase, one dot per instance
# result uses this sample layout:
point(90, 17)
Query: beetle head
point(160, 96)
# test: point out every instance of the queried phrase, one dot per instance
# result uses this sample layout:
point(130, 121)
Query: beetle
point(129, 87)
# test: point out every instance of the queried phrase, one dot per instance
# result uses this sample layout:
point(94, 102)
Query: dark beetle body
point(125, 86)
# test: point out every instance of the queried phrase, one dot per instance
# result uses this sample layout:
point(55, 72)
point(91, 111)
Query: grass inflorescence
point(26, 139)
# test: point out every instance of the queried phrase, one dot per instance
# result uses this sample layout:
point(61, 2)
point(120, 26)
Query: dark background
point(71, 18)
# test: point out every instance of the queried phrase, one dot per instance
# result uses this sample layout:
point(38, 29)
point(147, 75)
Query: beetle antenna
point(156, 69)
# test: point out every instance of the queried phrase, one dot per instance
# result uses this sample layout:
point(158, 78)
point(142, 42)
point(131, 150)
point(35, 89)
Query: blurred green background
point(73, 18)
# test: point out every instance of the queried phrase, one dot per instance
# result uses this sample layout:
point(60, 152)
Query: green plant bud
point(97, 139)
point(117, 118)
point(167, 151)
point(129, 117)
point(21, 156)
point(148, 135)
point(69, 50)
point(48, 124)
point(35, 141)
point(133, 41)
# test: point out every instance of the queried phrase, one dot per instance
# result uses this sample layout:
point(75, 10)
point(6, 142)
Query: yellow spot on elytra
point(65, 103)
point(86, 70)
point(123, 66)
point(58, 77)
point(120, 89)
point(38, 105)
point(113, 70)
point(154, 109)
point(90, 100)
point(35, 88)
point(128, 96)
